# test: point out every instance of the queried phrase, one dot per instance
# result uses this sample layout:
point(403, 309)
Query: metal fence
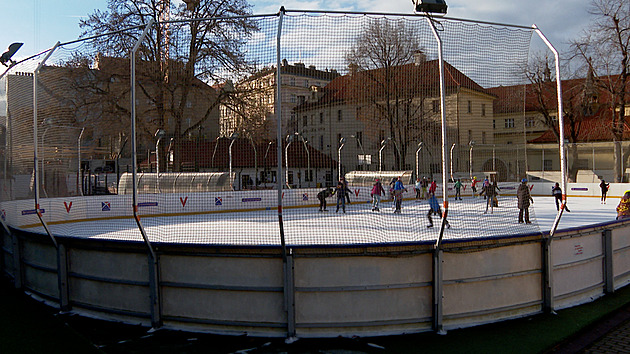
point(229, 130)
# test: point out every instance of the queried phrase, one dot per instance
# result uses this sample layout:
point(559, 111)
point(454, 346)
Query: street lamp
point(308, 155)
point(159, 134)
point(380, 154)
point(342, 142)
point(265, 160)
point(418, 159)
point(361, 147)
point(471, 144)
point(452, 147)
point(249, 135)
point(286, 159)
point(233, 137)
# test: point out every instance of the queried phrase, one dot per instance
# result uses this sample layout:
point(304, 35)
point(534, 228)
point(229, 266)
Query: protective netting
point(359, 97)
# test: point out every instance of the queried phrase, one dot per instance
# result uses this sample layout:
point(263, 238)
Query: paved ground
point(610, 335)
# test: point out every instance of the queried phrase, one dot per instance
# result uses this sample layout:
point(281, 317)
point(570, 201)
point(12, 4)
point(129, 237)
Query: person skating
point(604, 187)
point(425, 185)
point(522, 193)
point(486, 184)
point(418, 188)
point(342, 193)
point(473, 186)
point(377, 192)
point(345, 184)
point(556, 191)
point(458, 189)
point(434, 208)
point(491, 192)
point(322, 195)
point(623, 209)
point(432, 188)
point(399, 188)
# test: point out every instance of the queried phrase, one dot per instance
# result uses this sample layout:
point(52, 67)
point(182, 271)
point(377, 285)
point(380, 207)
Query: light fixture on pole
point(233, 137)
point(452, 147)
point(380, 154)
point(286, 159)
point(470, 158)
point(418, 159)
point(159, 134)
point(342, 142)
point(430, 6)
point(6, 56)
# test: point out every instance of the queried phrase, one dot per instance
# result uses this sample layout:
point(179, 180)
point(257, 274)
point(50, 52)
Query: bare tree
point(379, 53)
point(604, 48)
point(178, 60)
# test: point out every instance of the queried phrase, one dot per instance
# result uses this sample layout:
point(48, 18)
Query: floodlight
point(430, 6)
point(6, 56)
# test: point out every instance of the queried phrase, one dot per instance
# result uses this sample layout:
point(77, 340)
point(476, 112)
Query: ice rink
point(360, 225)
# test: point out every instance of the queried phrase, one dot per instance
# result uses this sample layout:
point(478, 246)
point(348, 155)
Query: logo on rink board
point(106, 206)
point(147, 204)
point(356, 192)
point(183, 201)
point(68, 206)
point(218, 201)
point(32, 211)
point(305, 196)
point(247, 200)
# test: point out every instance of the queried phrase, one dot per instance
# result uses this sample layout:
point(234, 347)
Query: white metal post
point(418, 159)
point(342, 142)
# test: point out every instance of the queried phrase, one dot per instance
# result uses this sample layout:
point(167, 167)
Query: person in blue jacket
point(399, 188)
point(434, 208)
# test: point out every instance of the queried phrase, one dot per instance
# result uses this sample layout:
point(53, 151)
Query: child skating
point(434, 208)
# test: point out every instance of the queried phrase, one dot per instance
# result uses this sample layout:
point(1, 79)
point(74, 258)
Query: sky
point(39, 24)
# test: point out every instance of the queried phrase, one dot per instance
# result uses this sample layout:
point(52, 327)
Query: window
point(436, 106)
point(469, 106)
point(530, 122)
point(321, 118)
point(547, 165)
point(483, 109)
point(483, 137)
point(509, 123)
point(293, 98)
point(305, 83)
point(301, 99)
point(292, 81)
point(304, 121)
point(321, 143)
point(339, 115)
point(494, 124)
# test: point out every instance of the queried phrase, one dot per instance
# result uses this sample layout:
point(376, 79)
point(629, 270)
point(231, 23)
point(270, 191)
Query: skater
point(434, 208)
point(623, 209)
point(556, 191)
point(491, 192)
point(486, 184)
point(473, 186)
point(418, 188)
point(432, 188)
point(345, 184)
point(342, 193)
point(458, 189)
point(399, 188)
point(322, 195)
point(377, 192)
point(604, 186)
point(523, 201)
point(425, 184)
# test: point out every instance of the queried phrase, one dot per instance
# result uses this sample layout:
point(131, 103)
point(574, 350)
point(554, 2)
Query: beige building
point(252, 110)
point(384, 114)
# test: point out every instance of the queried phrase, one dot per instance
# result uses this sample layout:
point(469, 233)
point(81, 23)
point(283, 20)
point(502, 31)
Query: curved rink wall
point(362, 290)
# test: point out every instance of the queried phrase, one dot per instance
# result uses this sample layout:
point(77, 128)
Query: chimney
point(419, 57)
point(353, 68)
point(285, 62)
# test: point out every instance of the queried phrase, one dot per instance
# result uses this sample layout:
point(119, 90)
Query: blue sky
point(41, 23)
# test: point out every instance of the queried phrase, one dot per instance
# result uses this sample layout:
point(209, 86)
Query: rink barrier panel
point(341, 290)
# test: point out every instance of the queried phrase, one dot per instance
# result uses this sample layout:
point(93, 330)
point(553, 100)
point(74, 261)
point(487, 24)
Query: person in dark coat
point(322, 195)
point(556, 191)
point(604, 187)
point(522, 193)
point(491, 191)
point(345, 184)
point(342, 193)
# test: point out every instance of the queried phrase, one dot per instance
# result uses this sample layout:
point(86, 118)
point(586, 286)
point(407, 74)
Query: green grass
point(28, 326)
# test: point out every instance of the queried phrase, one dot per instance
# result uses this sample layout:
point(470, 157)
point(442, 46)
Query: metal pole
point(36, 181)
point(342, 142)
point(157, 164)
point(286, 159)
point(470, 158)
point(308, 161)
point(230, 173)
point(418, 160)
point(452, 147)
point(380, 155)
point(79, 158)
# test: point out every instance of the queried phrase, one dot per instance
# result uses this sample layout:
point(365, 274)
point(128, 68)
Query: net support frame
point(154, 286)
